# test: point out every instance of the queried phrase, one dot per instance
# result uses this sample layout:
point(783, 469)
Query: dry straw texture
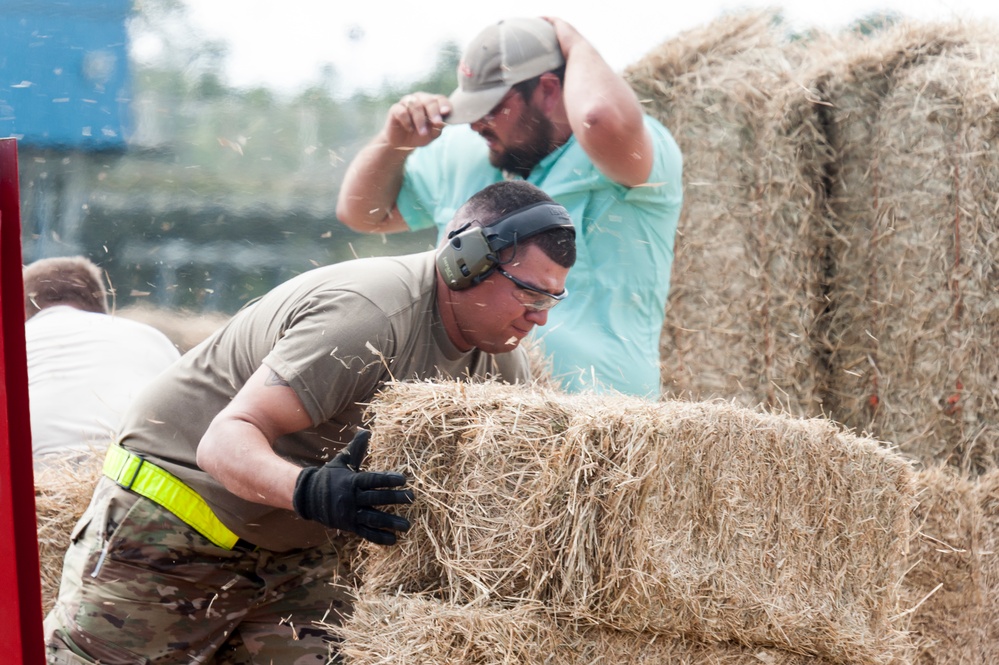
point(836, 253)
point(705, 521)
point(414, 629)
point(954, 582)
point(914, 316)
point(63, 488)
point(743, 293)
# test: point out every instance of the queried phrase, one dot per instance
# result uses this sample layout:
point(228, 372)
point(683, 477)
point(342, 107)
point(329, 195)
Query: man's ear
point(548, 94)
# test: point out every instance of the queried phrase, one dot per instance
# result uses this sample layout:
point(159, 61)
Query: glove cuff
point(300, 498)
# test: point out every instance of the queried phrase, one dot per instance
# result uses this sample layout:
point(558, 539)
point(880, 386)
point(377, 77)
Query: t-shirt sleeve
point(335, 352)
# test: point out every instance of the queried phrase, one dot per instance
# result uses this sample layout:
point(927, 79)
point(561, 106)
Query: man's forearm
point(366, 202)
point(249, 469)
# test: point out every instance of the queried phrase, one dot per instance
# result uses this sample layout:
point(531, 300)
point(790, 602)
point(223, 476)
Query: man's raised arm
point(368, 193)
point(603, 111)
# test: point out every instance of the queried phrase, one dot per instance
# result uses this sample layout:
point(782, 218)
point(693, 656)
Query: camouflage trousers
point(140, 586)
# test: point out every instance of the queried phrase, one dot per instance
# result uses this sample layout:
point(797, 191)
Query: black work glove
point(341, 497)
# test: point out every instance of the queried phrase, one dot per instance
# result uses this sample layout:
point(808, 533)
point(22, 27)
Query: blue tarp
point(64, 73)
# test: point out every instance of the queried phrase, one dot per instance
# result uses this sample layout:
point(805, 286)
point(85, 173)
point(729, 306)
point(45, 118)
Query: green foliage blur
point(223, 192)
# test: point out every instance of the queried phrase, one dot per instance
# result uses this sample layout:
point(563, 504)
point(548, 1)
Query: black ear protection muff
point(471, 253)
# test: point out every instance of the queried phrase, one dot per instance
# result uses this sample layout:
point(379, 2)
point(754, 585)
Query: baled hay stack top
point(687, 520)
point(745, 286)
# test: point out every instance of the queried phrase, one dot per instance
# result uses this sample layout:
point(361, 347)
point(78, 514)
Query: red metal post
point(20, 579)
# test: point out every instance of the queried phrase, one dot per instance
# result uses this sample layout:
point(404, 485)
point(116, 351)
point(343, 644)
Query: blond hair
point(68, 280)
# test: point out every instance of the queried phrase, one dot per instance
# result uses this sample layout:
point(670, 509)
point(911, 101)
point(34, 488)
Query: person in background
point(536, 101)
point(222, 529)
point(85, 365)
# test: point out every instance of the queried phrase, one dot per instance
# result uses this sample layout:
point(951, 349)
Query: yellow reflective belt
point(146, 479)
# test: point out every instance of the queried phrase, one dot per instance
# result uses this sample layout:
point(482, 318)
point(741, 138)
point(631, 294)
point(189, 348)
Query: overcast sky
point(283, 43)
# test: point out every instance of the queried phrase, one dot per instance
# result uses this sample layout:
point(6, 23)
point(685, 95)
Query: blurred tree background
point(219, 193)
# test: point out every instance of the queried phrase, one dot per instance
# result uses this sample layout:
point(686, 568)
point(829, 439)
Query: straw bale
point(807, 274)
point(853, 82)
point(742, 295)
point(913, 320)
point(703, 521)
point(63, 488)
point(399, 628)
point(953, 586)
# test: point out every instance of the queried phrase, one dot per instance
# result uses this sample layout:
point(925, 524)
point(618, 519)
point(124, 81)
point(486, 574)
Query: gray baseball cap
point(499, 57)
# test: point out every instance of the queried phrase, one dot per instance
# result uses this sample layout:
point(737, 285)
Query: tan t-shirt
point(336, 335)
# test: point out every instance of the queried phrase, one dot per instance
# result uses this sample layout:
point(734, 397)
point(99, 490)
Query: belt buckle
point(135, 475)
point(244, 546)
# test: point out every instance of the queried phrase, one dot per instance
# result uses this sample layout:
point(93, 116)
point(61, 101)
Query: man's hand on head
point(416, 120)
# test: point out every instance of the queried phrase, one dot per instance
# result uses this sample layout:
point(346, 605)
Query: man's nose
point(538, 318)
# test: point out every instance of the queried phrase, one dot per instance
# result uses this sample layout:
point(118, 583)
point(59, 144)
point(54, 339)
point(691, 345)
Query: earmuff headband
point(471, 253)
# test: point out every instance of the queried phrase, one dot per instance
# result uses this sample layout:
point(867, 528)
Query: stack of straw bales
point(690, 528)
point(743, 297)
point(836, 253)
point(949, 597)
point(913, 318)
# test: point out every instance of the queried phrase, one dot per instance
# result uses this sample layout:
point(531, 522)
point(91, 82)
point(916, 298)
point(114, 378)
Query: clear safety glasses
point(532, 297)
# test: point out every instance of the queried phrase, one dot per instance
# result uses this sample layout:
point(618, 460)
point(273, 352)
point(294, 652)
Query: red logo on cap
point(465, 70)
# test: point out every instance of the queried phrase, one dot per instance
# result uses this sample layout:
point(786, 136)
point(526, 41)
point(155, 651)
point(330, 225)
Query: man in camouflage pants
point(206, 593)
point(222, 528)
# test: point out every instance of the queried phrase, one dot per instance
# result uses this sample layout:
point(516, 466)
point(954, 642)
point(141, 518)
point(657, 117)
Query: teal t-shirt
point(605, 335)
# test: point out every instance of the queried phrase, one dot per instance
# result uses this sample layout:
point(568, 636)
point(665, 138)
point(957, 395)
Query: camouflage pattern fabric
point(140, 586)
